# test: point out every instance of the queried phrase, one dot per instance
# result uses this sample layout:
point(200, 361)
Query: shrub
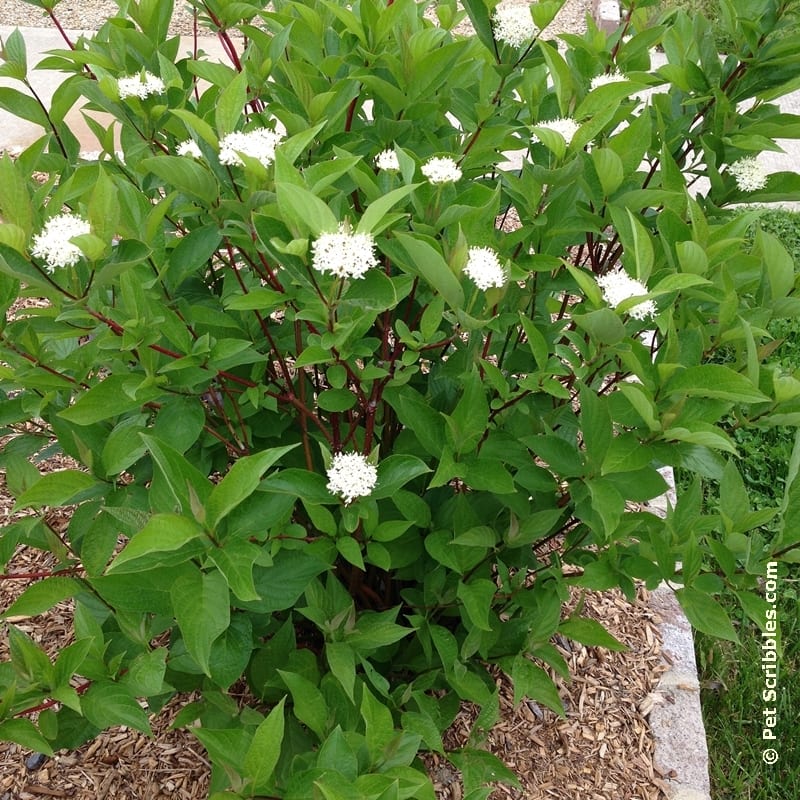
point(349, 337)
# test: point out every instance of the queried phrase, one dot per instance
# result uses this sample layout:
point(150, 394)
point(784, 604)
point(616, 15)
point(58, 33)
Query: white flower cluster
point(619, 286)
point(441, 170)
point(387, 159)
point(484, 268)
point(189, 148)
point(513, 24)
point(53, 243)
point(566, 126)
point(350, 475)
point(344, 254)
point(141, 86)
point(749, 173)
point(615, 76)
point(259, 143)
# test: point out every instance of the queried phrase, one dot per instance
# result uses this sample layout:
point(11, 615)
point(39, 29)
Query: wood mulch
point(601, 750)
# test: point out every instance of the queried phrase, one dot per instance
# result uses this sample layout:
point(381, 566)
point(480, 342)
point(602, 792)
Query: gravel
point(90, 14)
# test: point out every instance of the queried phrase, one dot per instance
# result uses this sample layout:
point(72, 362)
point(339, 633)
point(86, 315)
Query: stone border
point(676, 719)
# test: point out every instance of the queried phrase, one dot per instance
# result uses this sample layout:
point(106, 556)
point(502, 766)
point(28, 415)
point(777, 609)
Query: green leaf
point(589, 632)
point(304, 211)
point(479, 767)
point(109, 398)
point(145, 675)
point(24, 733)
point(15, 200)
point(602, 325)
point(264, 751)
point(706, 614)
point(533, 682)
point(230, 104)
point(186, 486)
point(477, 597)
point(42, 596)
point(60, 488)
point(230, 652)
point(279, 586)
point(336, 400)
point(609, 169)
point(418, 257)
point(185, 175)
point(395, 472)
point(202, 609)
point(241, 481)
point(193, 252)
point(350, 550)
point(377, 210)
point(342, 661)
point(235, 559)
point(337, 754)
point(107, 704)
point(379, 724)
point(161, 542)
point(714, 381)
point(309, 702)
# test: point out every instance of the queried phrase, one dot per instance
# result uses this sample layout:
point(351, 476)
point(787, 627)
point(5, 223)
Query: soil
point(601, 750)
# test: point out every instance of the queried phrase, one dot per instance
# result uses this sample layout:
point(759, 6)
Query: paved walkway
point(16, 133)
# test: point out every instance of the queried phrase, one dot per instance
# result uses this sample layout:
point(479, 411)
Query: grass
point(732, 682)
point(731, 675)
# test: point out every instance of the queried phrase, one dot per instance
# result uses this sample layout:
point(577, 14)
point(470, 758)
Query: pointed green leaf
point(107, 704)
point(202, 609)
point(262, 756)
point(158, 542)
point(240, 482)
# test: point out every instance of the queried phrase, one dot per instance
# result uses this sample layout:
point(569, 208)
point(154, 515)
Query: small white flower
point(189, 148)
point(615, 76)
point(749, 173)
point(566, 126)
point(350, 475)
point(513, 25)
point(387, 159)
point(141, 86)
point(441, 170)
point(344, 254)
point(484, 268)
point(259, 143)
point(619, 286)
point(53, 243)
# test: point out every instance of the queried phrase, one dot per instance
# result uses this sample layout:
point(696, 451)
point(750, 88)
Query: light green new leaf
point(265, 749)
point(60, 488)
point(42, 596)
point(230, 104)
point(714, 381)
point(589, 632)
point(304, 211)
point(418, 257)
point(371, 219)
point(379, 723)
point(157, 543)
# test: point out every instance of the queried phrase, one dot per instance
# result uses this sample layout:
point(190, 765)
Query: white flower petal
point(351, 475)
